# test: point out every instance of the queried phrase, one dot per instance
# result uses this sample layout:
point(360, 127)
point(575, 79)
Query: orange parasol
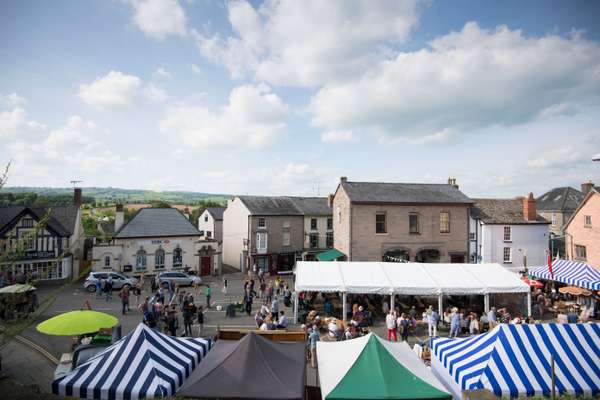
point(575, 291)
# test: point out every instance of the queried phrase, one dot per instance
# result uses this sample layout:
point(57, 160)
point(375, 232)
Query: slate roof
point(560, 199)
point(392, 193)
point(157, 222)
point(216, 212)
point(502, 211)
point(312, 205)
point(62, 217)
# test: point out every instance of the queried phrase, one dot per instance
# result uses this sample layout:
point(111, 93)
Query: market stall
point(574, 273)
point(516, 360)
point(250, 368)
point(408, 279)
point(144, 364)
point(371, 368)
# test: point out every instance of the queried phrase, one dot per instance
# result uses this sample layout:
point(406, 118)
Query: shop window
point(159, 258)
point(140, 259)
point(177, 257)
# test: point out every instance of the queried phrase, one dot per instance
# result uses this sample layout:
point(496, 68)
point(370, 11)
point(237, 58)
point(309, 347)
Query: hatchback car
point(178, 278)
point(119, 281)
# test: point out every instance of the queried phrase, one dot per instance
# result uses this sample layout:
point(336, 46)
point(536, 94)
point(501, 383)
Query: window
point(472, 235)
point(262, 223)
point(329, 240)
point(140, 259)
point(107, 261)
point(159, 258)
point(27, 223)
point(413, 223)
point(29, 241)
point(380, 223)
point(507, 234)
point(313, 224)
point(206, 218)
point(338, 212)
point(588, 220)
point(329, 224)
point(208, 234)
point(261, 241)
point(444, 222)
point(286, 238)
point(506, 255)
point(553, 219)
point(314, 240)
point(177, 257)
point(580, 252)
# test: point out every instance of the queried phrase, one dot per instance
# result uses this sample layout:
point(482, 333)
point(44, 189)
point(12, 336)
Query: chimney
point(330, 201)
point(186, 213)
point(586, 187)
point(343, 179)
point(452, 182)
point(77, 197)
point(119, 217)
point(529, 211)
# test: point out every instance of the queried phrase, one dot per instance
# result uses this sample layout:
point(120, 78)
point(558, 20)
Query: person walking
point(200, 320)
point(224, 290)
point(99, 287)
point(248, 298)
point(208, 293)
point(390, 322)
point(172, 321)
point(431, 316)
point(454, 323)
point(491, 317)
point(270, 292)
point(275, 309)
point(124, 295)
point(108, 288)
point(189, 312)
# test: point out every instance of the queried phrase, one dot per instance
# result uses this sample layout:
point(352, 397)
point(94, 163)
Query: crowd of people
point(164, 316)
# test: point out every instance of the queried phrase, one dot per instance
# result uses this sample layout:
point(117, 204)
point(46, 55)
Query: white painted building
point(210, 223)
point(508, 232)
point(157, 240)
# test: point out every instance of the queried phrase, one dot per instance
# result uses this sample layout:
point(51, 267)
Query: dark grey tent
point(250, 368)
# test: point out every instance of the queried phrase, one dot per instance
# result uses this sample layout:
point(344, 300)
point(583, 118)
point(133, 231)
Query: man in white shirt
point(283, 321)
point(390, 322)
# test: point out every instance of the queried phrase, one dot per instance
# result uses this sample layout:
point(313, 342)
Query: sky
point(285, 97)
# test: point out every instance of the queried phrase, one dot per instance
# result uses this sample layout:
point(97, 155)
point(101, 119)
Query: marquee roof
point(406, 278)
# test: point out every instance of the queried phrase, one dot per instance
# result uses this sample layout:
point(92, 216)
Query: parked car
point(178, 278)
point(119, 280)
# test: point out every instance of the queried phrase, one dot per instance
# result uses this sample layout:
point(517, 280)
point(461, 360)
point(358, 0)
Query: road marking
point(37, 348)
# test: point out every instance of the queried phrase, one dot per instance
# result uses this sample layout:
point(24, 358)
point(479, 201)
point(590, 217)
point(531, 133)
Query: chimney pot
point(452, 182)
point(77, 197)
point(586, 187)
point(343, 179)
point(119, 217)
point(529, 209)
point(330, 201)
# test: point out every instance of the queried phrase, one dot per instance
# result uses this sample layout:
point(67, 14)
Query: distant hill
point(109, 195)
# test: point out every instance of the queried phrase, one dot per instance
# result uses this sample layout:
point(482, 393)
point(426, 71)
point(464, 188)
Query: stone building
point(401, 221)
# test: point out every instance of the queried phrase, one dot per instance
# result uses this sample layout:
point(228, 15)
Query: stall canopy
point(330, 255)
point(406, 278)
point(250, 368)
point(570, 272)
point(371, 368)
point(17, 288)
point(515, 360)
point(145, 364)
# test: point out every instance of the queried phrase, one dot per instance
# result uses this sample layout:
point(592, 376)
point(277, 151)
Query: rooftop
point(157, 222)
point(502, 211)
point(216, 212)
point(560, 199)
point(62, 217)
point(381, 192)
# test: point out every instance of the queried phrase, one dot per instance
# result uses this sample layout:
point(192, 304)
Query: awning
point(330, 255)
point(515, 360)
point(371, 368)
point(406, 278)
point(570, 272)
point(18, 288)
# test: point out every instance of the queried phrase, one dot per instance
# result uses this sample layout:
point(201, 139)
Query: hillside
point(108, 195)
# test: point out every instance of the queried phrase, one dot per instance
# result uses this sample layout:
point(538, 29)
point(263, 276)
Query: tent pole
point(296, 308)
point(529, 304)
point(344, 310)
point(486, 302)
point(392, 305)
point(440, 305)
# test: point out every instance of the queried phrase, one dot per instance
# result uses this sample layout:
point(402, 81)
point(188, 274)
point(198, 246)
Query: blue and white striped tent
point(515, 360)
point(570, 272)
point(144, 364)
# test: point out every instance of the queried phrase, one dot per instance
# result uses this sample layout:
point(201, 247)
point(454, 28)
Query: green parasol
point(76, 323)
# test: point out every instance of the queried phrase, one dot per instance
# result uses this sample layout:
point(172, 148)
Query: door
point(457, 258)
point(204, 266)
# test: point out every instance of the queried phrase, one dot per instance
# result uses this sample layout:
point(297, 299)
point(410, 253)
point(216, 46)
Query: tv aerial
point(75, 182)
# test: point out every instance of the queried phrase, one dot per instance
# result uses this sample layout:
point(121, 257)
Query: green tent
point(371, 368)
point(330, 255)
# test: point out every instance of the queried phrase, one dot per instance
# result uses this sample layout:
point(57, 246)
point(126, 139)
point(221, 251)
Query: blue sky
point(284, 97)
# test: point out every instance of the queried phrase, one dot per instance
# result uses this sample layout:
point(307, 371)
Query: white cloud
point(162, 73)
point(463, 81)
point(309, 42)
point(15, 125)
point(196, 69)
point(159, 18)
point(113, 90)
point(12, 100)
point(155, 94)
point(338, 136)
point(254, 117)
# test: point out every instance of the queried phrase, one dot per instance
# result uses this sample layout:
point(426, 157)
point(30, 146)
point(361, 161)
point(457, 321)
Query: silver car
point(118, 280)
point(178, 278)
